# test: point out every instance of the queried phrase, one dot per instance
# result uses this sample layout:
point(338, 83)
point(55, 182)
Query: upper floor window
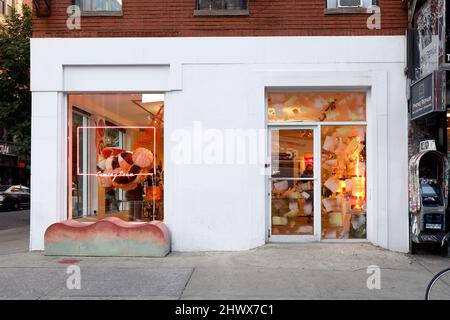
point(96, 6)
point(6, 7)
point(348, 6)
point(222, 7)
point(349, 3)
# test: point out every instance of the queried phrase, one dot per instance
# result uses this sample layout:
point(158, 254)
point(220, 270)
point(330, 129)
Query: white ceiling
point(121, 109)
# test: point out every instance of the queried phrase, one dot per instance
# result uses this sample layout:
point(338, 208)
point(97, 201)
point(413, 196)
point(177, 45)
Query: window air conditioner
point(350, 3)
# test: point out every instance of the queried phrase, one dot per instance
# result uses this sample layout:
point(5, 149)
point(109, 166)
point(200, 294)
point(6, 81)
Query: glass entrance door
point(295, 191)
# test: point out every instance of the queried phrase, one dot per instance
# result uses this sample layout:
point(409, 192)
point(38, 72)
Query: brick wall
point(173, 18)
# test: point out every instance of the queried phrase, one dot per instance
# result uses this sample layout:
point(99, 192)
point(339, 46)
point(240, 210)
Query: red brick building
point(179, 18)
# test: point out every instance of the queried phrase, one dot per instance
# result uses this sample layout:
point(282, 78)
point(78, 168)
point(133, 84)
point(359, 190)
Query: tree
point(15, 95)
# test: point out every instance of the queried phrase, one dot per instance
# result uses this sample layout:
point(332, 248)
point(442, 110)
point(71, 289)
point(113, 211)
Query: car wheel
point(16, 206)
point(415, 247)
point(444, 250)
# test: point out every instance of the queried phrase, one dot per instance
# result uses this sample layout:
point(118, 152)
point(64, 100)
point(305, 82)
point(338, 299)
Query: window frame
point(356, 10)
point(221, 12)
point(6, 8)
point(100, 13)
point(85, 210)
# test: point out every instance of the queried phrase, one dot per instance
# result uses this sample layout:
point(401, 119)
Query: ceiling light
point(152, 97)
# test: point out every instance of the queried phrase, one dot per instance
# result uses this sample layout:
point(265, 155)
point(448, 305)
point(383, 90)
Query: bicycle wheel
point(439, 286)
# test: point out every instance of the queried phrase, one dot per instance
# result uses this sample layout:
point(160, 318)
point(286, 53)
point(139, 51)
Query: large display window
point(343, 182)
point(116, 156)
point(318, 161)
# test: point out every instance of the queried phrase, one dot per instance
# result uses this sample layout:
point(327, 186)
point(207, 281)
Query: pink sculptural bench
point(110, 237)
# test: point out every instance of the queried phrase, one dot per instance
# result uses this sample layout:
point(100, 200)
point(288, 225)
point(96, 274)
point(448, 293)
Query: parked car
point(14, 197)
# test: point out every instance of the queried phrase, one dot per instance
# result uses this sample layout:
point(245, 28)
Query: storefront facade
point(261, 139)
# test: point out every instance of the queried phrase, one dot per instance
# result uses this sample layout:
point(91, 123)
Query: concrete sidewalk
point(288, 271)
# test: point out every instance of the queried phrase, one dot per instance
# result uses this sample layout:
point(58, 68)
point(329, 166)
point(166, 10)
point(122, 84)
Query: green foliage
point(15, 96)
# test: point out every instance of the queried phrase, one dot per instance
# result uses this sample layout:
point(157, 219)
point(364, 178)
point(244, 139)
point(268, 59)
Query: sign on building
point(428, 95)
point(5, 148)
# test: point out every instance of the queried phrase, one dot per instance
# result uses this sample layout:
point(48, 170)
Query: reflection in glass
point(293, 208)
point(343, 182)
point(79, 183)
point(221, 4)
point(99, 5)
point(292, 153)
point(316, 106)
point(114, 197)
point(292, 185)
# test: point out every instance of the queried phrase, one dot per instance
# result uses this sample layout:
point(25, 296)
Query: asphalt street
point(14, 231)
point(14, 219)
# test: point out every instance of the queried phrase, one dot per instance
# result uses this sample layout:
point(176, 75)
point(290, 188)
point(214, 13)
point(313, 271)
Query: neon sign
point(114, 174)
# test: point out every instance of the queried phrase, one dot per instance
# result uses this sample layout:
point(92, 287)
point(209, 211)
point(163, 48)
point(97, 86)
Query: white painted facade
point(222, 83)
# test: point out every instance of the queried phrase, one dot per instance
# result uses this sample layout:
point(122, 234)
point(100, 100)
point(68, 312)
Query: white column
point(46, 191)
point(398, 168)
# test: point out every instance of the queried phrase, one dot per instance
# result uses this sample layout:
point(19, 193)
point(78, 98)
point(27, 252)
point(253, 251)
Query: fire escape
point(43, 8)
point(413, 5)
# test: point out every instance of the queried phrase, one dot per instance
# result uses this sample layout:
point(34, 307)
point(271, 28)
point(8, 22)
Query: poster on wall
point(429, 43)
point(446, 56)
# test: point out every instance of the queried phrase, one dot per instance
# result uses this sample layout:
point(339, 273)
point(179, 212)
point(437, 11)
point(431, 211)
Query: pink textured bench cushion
point(107, 237)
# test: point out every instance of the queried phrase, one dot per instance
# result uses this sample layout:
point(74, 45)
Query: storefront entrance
point(294, 182)
point(317, 182)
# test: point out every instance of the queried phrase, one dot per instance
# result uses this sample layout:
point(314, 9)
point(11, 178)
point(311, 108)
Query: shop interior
point(116, 156)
